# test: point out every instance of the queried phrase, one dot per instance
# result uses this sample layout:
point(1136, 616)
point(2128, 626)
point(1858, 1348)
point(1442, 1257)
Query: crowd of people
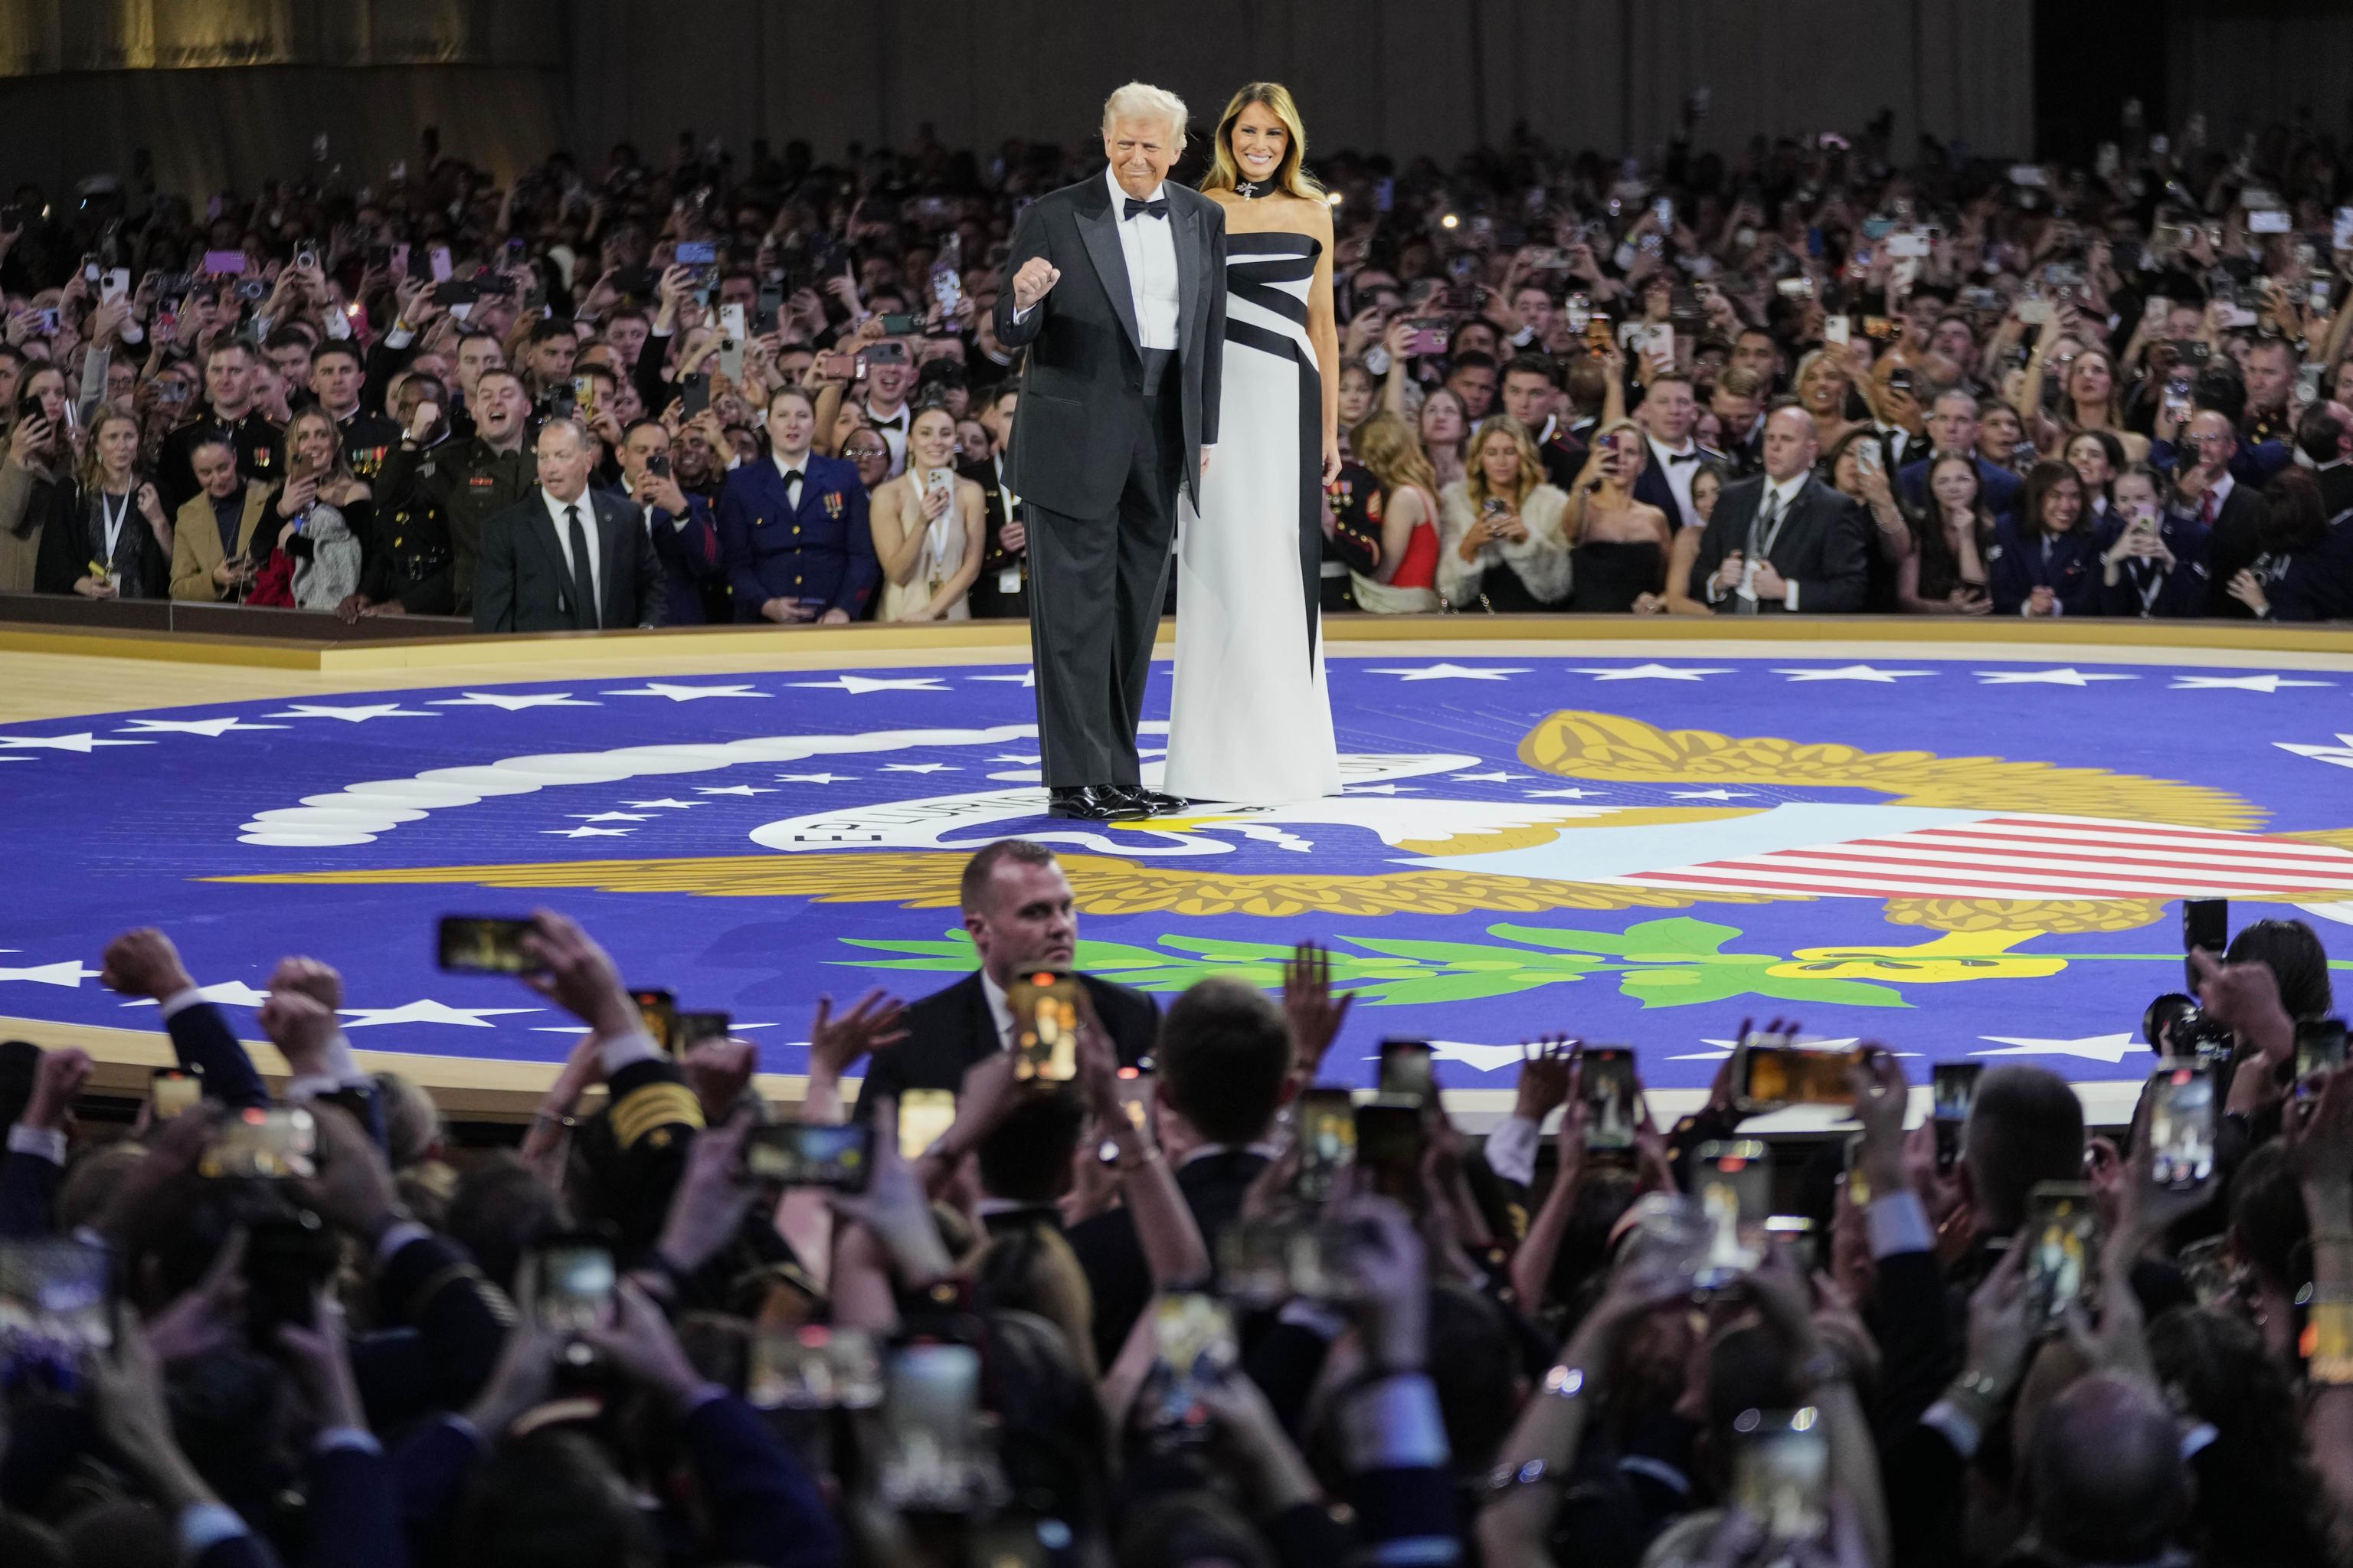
point(1809, 378)
point(1128, 1294)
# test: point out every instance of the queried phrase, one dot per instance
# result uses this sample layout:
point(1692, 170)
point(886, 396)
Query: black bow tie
point(897, 421)
point(1691, 456)
point(1158, 208)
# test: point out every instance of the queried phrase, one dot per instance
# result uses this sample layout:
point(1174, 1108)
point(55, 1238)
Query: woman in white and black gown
point(1250, 721)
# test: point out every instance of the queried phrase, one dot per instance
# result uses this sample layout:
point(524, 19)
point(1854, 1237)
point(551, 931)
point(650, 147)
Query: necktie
point(2206, 509)
point(588, 614)
point(1158, 208)
point(792, 488)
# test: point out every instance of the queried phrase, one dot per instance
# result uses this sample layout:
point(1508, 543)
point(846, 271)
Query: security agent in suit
point(1019, 906)
point(567, 558)
point(1784, 540)
point(793, 533)
point(1002, 590)
point(1118, 294)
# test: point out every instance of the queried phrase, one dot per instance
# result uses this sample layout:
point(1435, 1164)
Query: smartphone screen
point(56, 1301)
point(171, 1090)
point(924, 1116)
point(262, 1144)
point(2327, 1340)
point(286, 1262)
point(1045, 1007)
point(1734, 1184)
point(1406, 1070)
point(576, 1284)
point(930, 1418)
point(693, 1028)
point(2205, 923)
point(1193, 1334)
point(1389, 1144)
point(658, 1009)
point(2062, 1235)
point(2182, 1127)
point(813, 1367)
point(1953, 1085)
point(1772, 1070)
point(2319, 1049)
point(484, 944)
point(1781, 1472)
point(1611, 1114)
point(1327, 1140)
point(811, 1154)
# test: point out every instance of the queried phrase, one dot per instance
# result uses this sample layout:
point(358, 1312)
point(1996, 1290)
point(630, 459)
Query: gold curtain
point(44, 37)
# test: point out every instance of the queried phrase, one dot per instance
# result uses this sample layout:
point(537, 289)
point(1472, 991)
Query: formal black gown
point(1611, 574)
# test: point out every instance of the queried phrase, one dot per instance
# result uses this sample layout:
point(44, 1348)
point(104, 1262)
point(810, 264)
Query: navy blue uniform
point(820, 553)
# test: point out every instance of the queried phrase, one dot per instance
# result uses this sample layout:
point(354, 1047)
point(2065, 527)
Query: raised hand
point(1307, 1002)
point(1031, 283)
point(871, 1024)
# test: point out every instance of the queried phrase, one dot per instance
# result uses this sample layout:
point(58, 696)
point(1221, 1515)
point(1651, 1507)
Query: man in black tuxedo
point(1224, 1060)
point(1118, 292)
point(2232, 513)
point(566, 558)
point(1784, 540)
point(1001, 592)
point(1019, 909)
point(2325, 434)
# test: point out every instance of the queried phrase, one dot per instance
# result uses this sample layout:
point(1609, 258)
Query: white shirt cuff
point(205, 1525)
point(1898, 1223)
point(1959, 1429)
point(1790, 597)
point(1511, 1149)
point(621, 1050)
point(41, 1142)
point(179, 1001)
point(1393, 1425)
point(398, 337)
point(360, 1438)
point(1023, 314)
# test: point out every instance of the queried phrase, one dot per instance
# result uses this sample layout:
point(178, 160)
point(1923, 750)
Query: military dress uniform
point(817, 547)
point(260, 448)
point(1355, 499)
point(409, 558)
point(368, 438)
point(469, 482)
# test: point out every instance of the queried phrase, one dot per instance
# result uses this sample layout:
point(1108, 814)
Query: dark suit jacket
point(1824, 547)
point(821, 552)
point(1083, 380)
point(1652, 487)
point(1107, 1248)
point(2232, 548)
point(950, 1030)
point(521, 583)
point(988, 601)
point(2336, 483)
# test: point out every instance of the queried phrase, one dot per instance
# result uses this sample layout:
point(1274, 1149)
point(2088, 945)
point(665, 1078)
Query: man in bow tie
point(1117, 293)
point(887, 385)
point(1667, 416)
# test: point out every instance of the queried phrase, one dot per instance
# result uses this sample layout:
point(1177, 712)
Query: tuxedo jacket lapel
point(1187, 235)
point(1099, 228)
point(613, 525)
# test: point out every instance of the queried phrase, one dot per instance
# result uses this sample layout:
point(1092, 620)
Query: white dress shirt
point(893, 436)
point(1778, 498)
point(786, 468)
point(1148, 245)
point(1678, 474)
point(1000, 1010)
point(587, 507)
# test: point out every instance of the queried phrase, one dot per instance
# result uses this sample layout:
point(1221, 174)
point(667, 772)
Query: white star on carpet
point(237, 993)
point(858, 684)
point(1451, 673)
point(2068, 677)
point(1853, 672)
point(813, 777)
point(1711, 794)
point(1026, 678)
point(84, 743)
point(678, 693)
point(351, 713)
point(2110, 1048)
point(1019, 761)
point(1486, 778)
point(1380, 789)
point(214, 727)
point(919, 767)
point(1564, 794)
point(1651, 673)
point(514, 703)
point(664, 804)
point(587, 832)
point(731, 789)
point(70, 973)
point(428, 1012)
point(608, 816)
point(2341, 755)
point(2238, 683)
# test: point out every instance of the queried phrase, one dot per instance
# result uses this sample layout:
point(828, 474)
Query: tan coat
point(196, 546)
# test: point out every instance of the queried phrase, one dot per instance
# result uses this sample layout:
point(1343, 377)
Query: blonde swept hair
point(1290, 176)
point(91, 469)
point(1474, 471)
point(1386, 445)
point(1142, 101)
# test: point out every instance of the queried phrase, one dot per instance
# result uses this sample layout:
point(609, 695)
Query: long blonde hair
point(1386, 445)
point(91, 469)
point(338, 467)
point(1291, 176)
point(1474, 471)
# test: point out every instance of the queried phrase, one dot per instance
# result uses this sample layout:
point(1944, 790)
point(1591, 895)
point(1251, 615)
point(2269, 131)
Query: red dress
point(1419, 569)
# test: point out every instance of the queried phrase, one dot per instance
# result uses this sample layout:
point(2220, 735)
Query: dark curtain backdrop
point(225, 91)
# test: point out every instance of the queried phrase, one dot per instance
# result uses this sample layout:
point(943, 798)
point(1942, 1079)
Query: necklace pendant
point(1246, 189)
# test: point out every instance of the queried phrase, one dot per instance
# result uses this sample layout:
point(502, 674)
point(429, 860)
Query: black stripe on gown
point(1252, 281)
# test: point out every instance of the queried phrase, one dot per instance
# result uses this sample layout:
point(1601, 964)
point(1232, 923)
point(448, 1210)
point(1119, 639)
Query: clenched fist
point(1030, 284)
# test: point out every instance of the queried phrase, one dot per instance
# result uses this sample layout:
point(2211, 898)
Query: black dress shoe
point(1090, 802)
point(1154, 801)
